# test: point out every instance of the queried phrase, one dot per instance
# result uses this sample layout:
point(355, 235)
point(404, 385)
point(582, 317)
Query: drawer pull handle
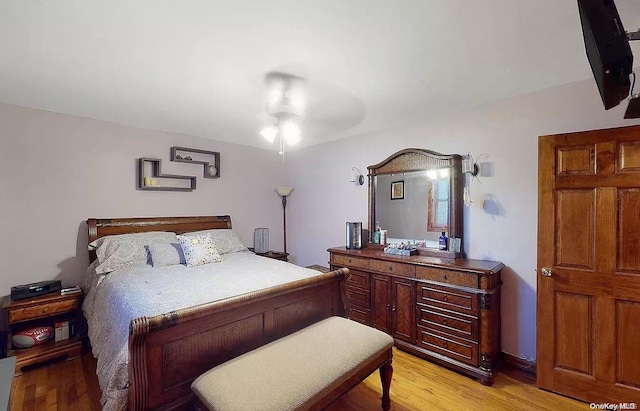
point(45, 310)
point(444, 277)
point(444, 322)
point(390, 268)
point(349, 261)
point(444, 298)
point(445, 345)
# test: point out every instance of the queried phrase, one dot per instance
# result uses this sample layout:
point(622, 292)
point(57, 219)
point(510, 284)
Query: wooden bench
point(306, 370)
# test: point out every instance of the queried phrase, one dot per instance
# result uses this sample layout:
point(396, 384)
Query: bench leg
point(386, 373)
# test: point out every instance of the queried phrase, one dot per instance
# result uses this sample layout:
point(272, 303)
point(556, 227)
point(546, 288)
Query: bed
point(167, 347)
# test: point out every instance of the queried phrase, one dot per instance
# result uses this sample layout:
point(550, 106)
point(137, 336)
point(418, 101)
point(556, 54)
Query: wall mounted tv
point(608, 50)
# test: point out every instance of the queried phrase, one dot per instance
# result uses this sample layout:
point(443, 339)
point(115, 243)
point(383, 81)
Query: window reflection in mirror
point(423, 212)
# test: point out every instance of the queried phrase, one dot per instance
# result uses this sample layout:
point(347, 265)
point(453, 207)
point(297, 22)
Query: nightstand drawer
point(348, 261)
point(388, 267)
point(42, 310)
point(447, 276)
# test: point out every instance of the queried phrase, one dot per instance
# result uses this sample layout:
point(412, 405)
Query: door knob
point(547, 272)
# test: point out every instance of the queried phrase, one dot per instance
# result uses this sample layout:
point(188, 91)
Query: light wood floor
point(417, 385)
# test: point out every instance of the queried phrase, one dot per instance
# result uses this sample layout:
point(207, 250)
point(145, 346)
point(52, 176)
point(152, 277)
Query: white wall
point(503, 228)
point(58, 170)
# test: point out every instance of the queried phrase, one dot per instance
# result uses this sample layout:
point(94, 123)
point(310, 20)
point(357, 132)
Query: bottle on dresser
point(442, 241)
point(377, 233)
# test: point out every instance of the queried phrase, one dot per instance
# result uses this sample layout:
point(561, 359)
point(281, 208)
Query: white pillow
point(199, 249)
point(126, 250)
point(225, 240)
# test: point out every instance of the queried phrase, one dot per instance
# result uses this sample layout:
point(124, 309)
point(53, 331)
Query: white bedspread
point(114, 299)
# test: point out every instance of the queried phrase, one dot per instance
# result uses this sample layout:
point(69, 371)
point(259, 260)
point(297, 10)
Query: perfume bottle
point(442, 241)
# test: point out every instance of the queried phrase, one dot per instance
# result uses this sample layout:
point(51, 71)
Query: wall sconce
point(469, 166)
point(356, 177)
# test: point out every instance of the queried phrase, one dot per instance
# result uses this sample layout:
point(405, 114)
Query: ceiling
point(197, 67)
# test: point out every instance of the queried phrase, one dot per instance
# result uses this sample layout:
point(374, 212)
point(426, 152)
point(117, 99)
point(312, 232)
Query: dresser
point(443, 310)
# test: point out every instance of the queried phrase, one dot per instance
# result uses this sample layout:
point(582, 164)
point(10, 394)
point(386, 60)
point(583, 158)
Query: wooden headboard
point(100, 227)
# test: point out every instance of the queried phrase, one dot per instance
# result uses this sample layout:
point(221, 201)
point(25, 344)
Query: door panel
point(588, 300)
point(629, 154)
point(381, 302)
point(574, 328)
point(629, 238)
point(628, 333)
point(403, 308)
point(575, 228)
point(576, 160)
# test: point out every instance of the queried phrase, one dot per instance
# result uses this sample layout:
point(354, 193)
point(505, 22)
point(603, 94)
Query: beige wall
point(501, 224)
point(58, 170)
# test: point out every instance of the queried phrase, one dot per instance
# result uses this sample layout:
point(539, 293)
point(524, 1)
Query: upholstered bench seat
point(308, 369)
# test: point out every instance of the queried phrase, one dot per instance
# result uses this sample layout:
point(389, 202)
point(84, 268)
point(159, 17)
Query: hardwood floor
point(417, 386)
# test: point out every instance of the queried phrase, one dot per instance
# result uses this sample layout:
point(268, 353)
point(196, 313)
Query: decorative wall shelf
point(150, 177)
point(210, 160)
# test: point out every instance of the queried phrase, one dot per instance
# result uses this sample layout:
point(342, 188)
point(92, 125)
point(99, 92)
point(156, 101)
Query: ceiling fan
point(284, 108)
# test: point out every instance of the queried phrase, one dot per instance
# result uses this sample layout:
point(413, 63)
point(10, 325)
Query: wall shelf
point(210, 160)
point(150, 177)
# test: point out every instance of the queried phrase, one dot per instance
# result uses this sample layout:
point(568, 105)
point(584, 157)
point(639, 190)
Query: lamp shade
point(284, 191)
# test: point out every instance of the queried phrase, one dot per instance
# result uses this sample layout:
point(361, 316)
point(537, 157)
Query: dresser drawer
point(447, 276)
point(349, 261)
point(358, 314)
point(448, 322)
point(448, 345)
point(447, 298)
point(42, 310)
point(388, 267)
point(357, 296)
point(358, 279)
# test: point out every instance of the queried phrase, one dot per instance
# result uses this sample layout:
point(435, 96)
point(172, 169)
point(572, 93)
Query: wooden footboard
point(167, 352)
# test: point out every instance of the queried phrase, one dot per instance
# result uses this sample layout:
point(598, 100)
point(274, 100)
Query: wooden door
point(588, 303)
point(403, 309)
point(381, 303)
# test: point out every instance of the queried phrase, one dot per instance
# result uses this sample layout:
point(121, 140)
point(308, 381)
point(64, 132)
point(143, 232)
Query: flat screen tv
point(608, 50)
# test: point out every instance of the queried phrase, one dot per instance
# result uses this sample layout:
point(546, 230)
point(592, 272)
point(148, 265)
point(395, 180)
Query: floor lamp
point(284, 192)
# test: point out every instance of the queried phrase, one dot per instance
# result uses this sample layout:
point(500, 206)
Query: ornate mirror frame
point(416, 159)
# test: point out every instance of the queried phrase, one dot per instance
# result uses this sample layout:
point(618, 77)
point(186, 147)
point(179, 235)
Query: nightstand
point(44, 311)
point(276, 255)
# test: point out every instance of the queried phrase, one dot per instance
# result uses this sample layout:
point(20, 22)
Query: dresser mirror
point(415, 194)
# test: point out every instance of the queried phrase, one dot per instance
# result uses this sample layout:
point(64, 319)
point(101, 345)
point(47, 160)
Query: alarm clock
point(32, 336)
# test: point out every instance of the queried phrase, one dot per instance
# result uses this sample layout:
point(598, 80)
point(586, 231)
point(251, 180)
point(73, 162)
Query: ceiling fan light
point(269, 133)
point(291, 133)
point(275, 95)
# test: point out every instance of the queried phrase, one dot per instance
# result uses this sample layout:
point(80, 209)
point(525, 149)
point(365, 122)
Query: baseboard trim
point(521, 363)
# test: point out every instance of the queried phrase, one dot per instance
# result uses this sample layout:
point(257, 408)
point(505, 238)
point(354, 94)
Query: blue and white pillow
point(164, 254)
point(199, 249)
